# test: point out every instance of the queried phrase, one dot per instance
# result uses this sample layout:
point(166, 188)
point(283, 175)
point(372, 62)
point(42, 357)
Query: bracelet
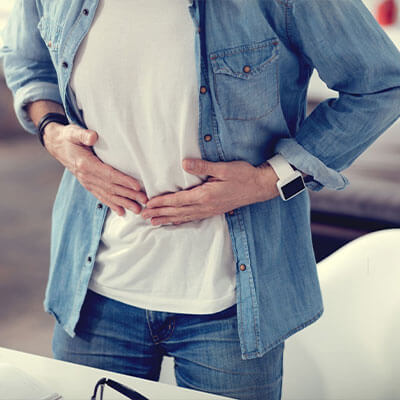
point(46, 119)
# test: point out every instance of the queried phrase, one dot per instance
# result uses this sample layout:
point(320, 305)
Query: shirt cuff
point(33, 92)
point(319, 174)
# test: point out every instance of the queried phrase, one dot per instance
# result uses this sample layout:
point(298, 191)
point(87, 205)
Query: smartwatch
point(290, 181)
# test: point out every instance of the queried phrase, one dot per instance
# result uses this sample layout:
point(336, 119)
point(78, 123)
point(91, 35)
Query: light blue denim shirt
point(249, 115)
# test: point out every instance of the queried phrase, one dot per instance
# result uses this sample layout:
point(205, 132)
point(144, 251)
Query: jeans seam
point(229, 390)
point(216, 369)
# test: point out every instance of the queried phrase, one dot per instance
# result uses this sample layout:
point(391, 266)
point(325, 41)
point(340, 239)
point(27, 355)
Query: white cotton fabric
point(134, 78)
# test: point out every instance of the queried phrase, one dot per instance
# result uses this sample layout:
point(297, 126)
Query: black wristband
point(46, 119)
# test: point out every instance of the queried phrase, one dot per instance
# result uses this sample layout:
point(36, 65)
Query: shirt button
point(49, 44)
point(203, 90)
point(242, 267)
point(85, 11)
point(100, 206)
point(65, 64)
point(207, 138)
point(89, 259)
point(231, 212)
point(246, 69)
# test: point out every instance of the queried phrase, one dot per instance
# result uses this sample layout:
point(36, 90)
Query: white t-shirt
point(135, 81)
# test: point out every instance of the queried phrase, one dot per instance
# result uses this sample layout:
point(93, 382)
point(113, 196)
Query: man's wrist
point(47, 119)
point(267, 179)
point(50, 131)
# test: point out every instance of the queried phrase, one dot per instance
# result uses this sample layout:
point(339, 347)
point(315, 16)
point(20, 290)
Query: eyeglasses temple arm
point(130, 393)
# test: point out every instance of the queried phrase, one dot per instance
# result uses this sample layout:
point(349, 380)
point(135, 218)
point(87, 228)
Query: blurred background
point(29, 179)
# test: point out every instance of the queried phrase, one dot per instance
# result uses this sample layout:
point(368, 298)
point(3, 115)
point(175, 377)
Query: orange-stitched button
point(203, 90)
point(246, 68)
point(49, 43)
point(207, 138)
point(242, 267)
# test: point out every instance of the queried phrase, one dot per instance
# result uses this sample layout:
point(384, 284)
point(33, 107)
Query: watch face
point(293, 187)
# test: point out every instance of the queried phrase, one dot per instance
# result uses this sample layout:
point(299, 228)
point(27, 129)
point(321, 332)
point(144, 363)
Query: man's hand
point(230, 185)
point(71, 146)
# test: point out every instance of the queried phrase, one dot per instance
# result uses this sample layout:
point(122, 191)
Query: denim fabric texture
point(206, 349)
point(249, 115)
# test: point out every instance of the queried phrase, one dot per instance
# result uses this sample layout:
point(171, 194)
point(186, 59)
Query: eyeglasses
point(130, 393)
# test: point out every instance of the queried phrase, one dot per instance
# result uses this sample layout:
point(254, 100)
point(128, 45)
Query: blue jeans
point(118, 337)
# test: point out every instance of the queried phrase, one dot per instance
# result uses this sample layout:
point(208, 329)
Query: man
point(224, 271)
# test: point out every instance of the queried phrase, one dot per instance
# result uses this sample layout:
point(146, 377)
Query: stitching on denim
point(149, 325)
point(215, 368)
point(46, 34)
point(284, 2)
point(241, 49)
point(242, 325)
point(287, 23)
point(76, 305)
point(255, 118)
point(255, 71)
point(226, 391)
point(171, 329)
point(221, 153)
point(156, 338)
point(238, 286)
point(204, 71)
point(70, 32)
point(251, 283)
point(297, 328)
point(253, 305)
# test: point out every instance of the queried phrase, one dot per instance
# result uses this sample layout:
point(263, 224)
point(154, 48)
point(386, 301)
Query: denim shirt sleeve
point(354, 56)
point(28, 69)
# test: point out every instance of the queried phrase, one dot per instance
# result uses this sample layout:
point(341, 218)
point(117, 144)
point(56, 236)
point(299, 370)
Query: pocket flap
point(245, 61)
point(50, 33)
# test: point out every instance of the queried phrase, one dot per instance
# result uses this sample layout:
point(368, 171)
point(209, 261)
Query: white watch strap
point(280, 166)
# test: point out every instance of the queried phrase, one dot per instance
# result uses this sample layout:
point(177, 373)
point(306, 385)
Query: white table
point(76, 382)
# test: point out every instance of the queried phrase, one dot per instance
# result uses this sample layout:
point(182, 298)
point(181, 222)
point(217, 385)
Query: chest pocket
point(246, 80)
point(51, 35)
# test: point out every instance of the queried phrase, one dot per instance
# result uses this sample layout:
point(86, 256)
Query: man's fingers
point(184, 211)
point(91, 181)
point(90, 163)
point(178, 199)
point(118, 177)
point(126, 203)
point(129, 193)
point(113, 176)
point(78, 135)
point(117, 209)
point(115, 202)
